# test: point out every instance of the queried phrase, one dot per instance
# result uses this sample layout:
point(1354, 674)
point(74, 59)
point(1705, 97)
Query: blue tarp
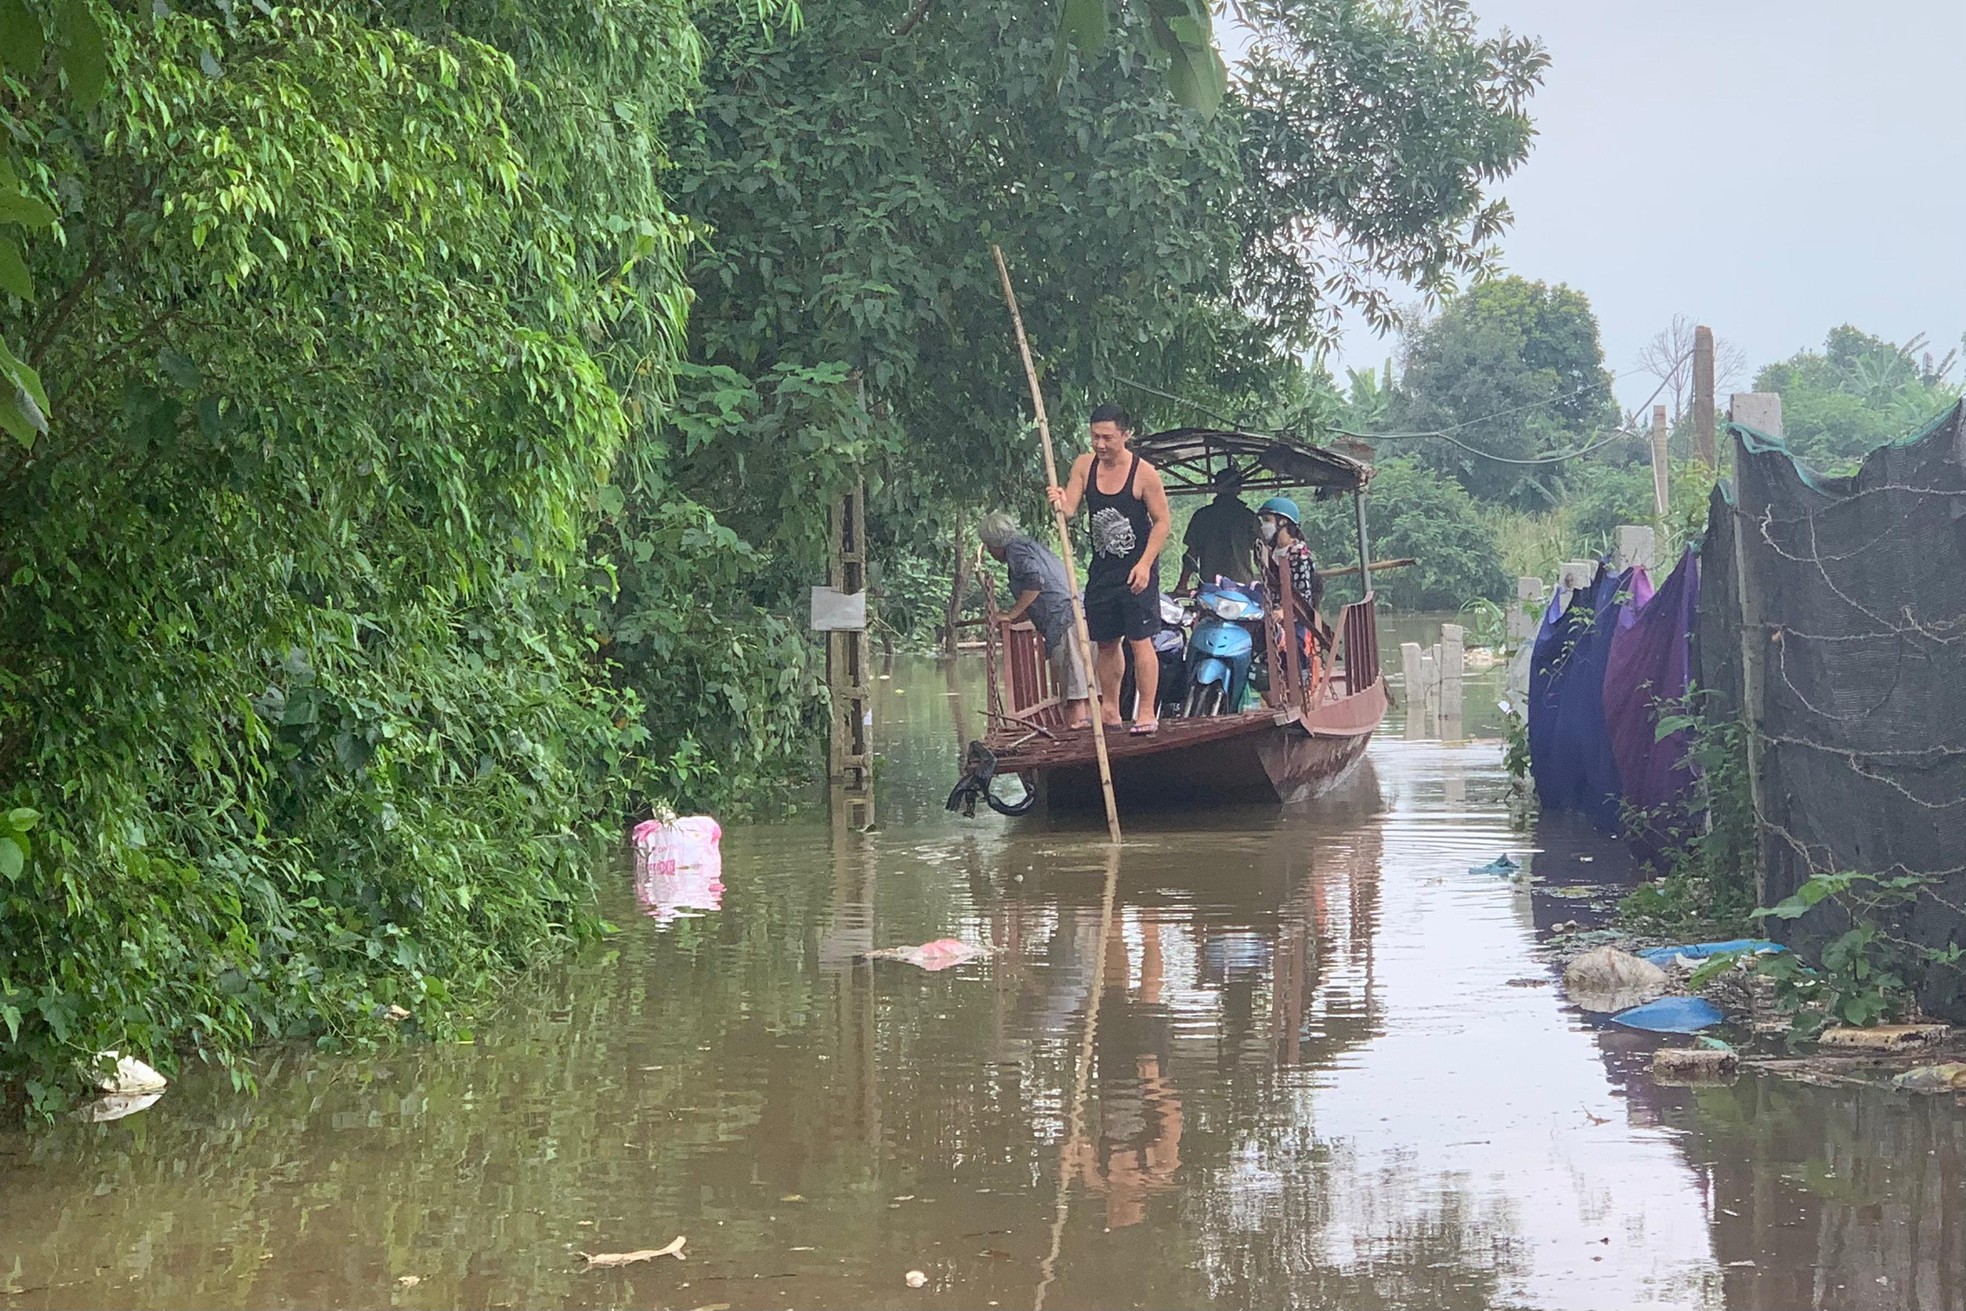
point(1569, 746)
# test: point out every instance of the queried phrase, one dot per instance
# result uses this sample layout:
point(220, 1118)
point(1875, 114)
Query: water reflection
point(1266, 1060)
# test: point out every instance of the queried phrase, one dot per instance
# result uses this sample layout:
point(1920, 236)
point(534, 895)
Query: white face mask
point(1269, 529)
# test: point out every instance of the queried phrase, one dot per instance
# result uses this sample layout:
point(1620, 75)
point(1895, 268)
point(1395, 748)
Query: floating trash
point(1698, 951)
point(1500, 865)
point(1671, 1015)
point(938, 955)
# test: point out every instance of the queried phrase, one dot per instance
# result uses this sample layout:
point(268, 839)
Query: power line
point(1445, 434)
point(1196, 406)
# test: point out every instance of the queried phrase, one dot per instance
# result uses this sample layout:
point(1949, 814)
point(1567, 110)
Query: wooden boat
point(1302, 741)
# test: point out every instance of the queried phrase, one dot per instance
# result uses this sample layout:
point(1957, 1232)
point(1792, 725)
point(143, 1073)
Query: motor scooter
point(1221, 647)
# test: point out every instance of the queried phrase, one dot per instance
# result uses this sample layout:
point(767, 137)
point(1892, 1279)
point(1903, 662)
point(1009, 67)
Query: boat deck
point(1019, 749)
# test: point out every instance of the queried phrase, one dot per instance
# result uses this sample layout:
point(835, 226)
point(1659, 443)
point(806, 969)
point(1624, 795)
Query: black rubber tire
point(1013, 808)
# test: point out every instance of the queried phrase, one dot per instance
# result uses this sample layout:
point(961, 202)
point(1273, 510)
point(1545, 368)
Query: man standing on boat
point(1044, 593)
point(1130, 522)
point(1221, 537)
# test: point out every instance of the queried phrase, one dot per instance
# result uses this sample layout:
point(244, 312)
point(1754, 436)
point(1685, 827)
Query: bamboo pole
point(1075, 1130)
point(1064, 550)
point(1377, 565)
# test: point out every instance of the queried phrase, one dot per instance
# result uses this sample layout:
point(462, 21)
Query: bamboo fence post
point(1064, 550)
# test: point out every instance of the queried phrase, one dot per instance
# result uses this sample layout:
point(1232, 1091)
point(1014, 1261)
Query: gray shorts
point(1068, 670)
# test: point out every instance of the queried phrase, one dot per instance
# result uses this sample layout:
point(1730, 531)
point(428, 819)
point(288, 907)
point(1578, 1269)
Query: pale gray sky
point(1771, 169)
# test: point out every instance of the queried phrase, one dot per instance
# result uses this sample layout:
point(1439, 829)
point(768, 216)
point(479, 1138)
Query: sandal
point(1145, 727)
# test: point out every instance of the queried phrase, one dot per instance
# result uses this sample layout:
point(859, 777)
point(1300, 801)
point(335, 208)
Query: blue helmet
point(1283, 508)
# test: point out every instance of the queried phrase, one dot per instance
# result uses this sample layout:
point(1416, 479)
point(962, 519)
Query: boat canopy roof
point(1189, 458)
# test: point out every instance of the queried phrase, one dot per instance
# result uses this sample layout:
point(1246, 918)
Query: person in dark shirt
point(1221, 537)
point(1129, 526)
point(1041, 592)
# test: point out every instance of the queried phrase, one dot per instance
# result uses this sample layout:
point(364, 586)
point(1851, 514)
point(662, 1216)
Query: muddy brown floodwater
point(1307, 1060)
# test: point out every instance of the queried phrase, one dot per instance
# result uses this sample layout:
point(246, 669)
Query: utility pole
point(1661, 493)
point(846, 665)
point(1703, 447)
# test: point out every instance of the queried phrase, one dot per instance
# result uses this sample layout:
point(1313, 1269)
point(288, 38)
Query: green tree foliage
point(1856, 394)
point(1512, 368)
point(1420, 514)
point(852, 178)
point(348, 317)
point(1179, 31)
point(1372, 131)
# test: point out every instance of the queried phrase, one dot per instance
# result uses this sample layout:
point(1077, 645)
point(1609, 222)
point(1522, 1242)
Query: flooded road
point(1267, 1059)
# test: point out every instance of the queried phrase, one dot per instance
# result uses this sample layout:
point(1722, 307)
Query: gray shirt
point(1034, 569)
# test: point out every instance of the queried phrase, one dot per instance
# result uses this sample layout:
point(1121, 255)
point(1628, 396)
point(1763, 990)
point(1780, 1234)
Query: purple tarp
point(1651, 662)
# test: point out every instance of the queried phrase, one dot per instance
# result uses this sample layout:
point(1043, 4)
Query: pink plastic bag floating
point(937, 955)
point(679, 866)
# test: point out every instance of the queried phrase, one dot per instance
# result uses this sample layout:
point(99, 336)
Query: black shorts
point(1113, 612)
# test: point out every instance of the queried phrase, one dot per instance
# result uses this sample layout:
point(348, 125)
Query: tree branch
point(66, 306)
point(914, 18)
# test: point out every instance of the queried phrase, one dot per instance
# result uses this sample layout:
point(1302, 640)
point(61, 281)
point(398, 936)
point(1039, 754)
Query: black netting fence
point(1835, 610)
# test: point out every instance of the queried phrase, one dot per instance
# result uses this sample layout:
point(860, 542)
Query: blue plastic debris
point(1671, 1015)
point(1500, 865)
point(1664, 956)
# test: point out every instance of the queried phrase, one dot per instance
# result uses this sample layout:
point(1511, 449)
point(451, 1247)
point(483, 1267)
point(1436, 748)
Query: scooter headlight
point(1234, 608)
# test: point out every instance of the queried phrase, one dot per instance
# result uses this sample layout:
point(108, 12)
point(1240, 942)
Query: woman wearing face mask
point(1284, 547)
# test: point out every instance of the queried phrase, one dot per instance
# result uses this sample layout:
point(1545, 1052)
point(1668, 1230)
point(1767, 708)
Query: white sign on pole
point(834, 611)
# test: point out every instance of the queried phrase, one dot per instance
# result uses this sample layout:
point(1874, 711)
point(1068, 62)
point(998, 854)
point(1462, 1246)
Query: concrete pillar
point(1409, 664)
point(1527, 615)
point(1453, 661)
point(1703, 384)
point(1430, 681)
point(1519, 677)
point(1757, 409)
point(1576, 574)
point(1661, 462)
point(1636, 544)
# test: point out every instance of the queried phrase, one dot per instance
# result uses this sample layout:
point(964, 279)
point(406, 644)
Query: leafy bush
point(1868, 972)
point(295, 665)
point(1709, 846)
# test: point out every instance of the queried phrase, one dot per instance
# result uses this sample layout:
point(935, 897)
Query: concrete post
point(1703, 396)
point(1661, 459)
point(1416, 689)
point(1527, 616)
point(1524, 623)
point(1757, 409)
point(1453, 653)
point(1430, 680)
point(1636, 544)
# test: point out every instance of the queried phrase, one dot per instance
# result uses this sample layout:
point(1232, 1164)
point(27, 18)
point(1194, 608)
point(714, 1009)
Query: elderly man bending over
point(1044, 593)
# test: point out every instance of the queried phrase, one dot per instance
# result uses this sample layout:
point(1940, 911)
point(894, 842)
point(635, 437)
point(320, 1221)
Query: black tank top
point(1120, 525)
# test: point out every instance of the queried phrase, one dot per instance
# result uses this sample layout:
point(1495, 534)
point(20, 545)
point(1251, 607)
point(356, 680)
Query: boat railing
point(1358, 636)
point(1031, 698)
